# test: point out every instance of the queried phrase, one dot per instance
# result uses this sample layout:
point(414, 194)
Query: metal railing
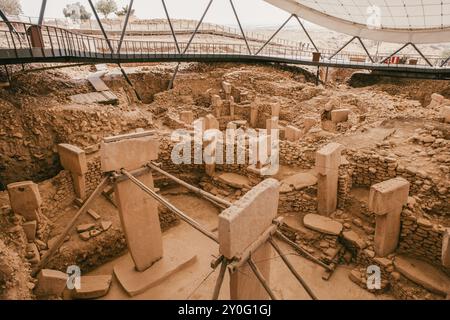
point(32, 41)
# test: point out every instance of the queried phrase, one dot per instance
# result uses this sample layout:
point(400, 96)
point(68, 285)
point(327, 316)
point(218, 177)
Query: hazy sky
point(251, 12)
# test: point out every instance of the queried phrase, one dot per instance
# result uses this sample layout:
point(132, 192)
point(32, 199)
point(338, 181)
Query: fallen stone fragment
point(106, 225)
point(92, 287)
point(94, 233)
point(85, 227)
point(85, 235)
point(322, 224)
point(353, 238)
point(50, 283)
point(93, 214)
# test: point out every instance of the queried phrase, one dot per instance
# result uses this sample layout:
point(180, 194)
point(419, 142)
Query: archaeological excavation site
point(224, 150)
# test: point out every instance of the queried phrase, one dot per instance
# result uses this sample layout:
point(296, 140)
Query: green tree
point(106, 7)
point(76, 11)
point(124, 11)
point(11, 7)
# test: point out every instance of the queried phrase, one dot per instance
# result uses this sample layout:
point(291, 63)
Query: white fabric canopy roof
point(402, 21)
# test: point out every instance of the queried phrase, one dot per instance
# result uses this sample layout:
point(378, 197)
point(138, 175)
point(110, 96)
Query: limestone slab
point(242, 223)
point(176, 258)
point(234, 180)
point(328, 158)
point(140, 221)
point(423, 274)
point(300, 180)
point(103, 97)
point(50, 282)
point(129, 154)
point(72, 158)
point(322, 224)
point(92, 287)
point(388, 195)
point(292, 133)
point(98, 83)
point(25, 199)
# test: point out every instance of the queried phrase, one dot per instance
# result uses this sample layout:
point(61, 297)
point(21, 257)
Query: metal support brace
point(350, 41)
point(42, 12)
point(261, 279)
point(292, 269)
point(8, 23)
point(198, 26)
point(125, 25)
point(59, 241)
point(223, 268)
point(403, 47)
point(110, 46)
point(171, 26)
point(101, 27)
point(445, 62)
point(273, 36)
point(240, 27)
point(170, 206)
point(306, 32)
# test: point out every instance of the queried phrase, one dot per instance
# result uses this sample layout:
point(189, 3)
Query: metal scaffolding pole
point(42, 12)
point(240, 26)
point(306, 32)
point(171, 26)
point(223, 203)
point(261, 279)
point(223, 268)
point(125, 25)
point(292, 269)
point(365, 48)
point(341, 48)
point(59, 241)
point(170, 206)
point(8, 23)
point(198, 26)
point(415, 48)
point(273, 36)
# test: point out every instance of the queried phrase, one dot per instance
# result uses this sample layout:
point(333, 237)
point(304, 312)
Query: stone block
point(51, 283)
point(272, 124)
point(129, 154)
point(308, 123)
point(25, 199)
point(72, 158)
point(187, 117)
point(328, 158)
point(388, 196)
point(92, 287)
point(242, 223)
point(292, 133)
point(227, 87)
point(340, 115)
point(275, 108)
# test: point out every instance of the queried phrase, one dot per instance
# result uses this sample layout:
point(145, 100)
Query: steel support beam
point(307, 33)
point(198, 26)
point(8, 23)
point(347, 43)
point(261, 279)
point(415, 48)
point(101, 27)
point(171, 26)
point(42, 12)
point(273, 36)
point(240, 26)
point(125, 25)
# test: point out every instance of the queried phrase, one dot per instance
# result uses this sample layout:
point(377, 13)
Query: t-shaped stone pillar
point(386, 200)
point(138, 211)
point(328, 160)
point(25, 199)
point(253, 115)
point(73, 159)
point(239, 227)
